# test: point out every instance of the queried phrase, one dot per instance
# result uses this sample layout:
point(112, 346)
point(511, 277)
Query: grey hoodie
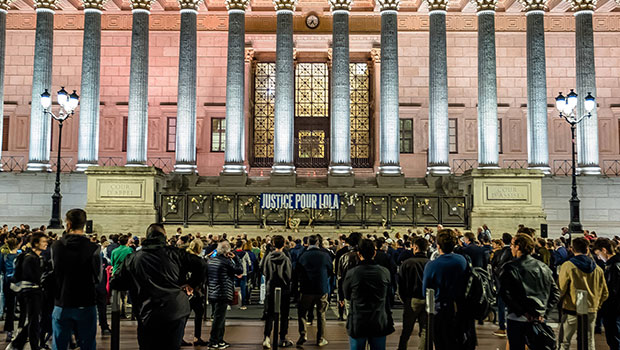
point(276, 267)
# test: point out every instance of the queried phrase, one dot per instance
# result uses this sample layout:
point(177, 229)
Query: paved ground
point(244, 331)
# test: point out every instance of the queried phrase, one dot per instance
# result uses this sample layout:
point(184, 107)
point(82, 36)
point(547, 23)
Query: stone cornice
point(237, 4)
point(359, 24)
point(189, 4)
point(336, 5)
point(485, 5)
point(534, 5)
point(285, 5)
point(5, 4)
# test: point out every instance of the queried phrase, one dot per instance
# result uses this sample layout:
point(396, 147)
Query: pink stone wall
point(462, 80)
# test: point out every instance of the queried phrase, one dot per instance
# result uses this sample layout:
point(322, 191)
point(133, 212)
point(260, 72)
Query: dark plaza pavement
point(244, 331)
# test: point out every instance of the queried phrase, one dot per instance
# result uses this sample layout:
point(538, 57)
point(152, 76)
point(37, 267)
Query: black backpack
point(479, 292)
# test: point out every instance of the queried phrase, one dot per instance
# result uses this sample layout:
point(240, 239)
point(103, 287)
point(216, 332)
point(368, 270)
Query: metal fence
point(12, 163)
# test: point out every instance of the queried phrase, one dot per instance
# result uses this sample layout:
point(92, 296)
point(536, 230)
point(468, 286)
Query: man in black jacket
point(28, 274)
point(476, 253)
point(528, 289)
point(77, 269)
point(410, 290)
point(277, 269)
point(223, 269)
point(156, 274)
point(610, 311)
point(500, 258)
point(367, 288)
point(346, 258)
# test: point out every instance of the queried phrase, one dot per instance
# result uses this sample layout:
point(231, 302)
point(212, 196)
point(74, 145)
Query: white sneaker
point(266, 343)
point(322, 342)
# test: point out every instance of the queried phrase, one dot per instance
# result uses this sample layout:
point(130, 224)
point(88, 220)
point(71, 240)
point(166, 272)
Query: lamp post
point(566, 106)
point(67, 103)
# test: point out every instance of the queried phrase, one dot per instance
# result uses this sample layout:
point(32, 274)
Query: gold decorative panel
point(312, 90)
point(264, 103)
point(311, 143)
point(360, 114)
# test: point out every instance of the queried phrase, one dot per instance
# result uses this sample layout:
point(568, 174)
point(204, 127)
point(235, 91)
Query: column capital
point(485, 5)
point(190, 4)
point(141, 4)
point(437, 5)
point(249, 55)
point(5, 5)
point(534, 5)
point(285, 5)
point(389, 5)
point(237, 4)
point(45, 4)
point(583, 5)
point(94, 4)
point(375, 55)
point(342, 5)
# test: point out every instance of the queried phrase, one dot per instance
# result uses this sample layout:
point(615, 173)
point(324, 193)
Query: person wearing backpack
point(447, 276)
point(610, 312)
point(278, 271)
point(529, 291)
point(242, 282)
point(27, 282)
point(7, 266)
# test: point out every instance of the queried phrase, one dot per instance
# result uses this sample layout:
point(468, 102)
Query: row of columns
point(438, 161)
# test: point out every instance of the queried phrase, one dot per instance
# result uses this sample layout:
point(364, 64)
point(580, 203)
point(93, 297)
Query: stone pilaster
point(537, 137)
point(341, 95)
point(88, 137)
point(235, 88)
point(185, 155)
point(285, 95)
point(587, 130)
point(439, 144)
point(4, 7)
point(389, 162)
point(137, 121)
point(40, 123)
point(488, 152)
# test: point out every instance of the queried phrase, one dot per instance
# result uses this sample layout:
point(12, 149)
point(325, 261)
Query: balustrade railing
point(67, 164)
point(514, 164)
point(165, 164)
point(611, 167)
point(112, 161)
point(562, 167)
point(12, 163)
point(459, 166)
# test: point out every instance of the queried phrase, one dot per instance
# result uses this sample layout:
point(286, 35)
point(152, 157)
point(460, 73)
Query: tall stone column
point(537, 137)
point(438, 135)
point(389, 161)
point(88, 136)
point(235, 89)
point(340, 145)
point(40, 123)
point(4, 8)
point(185, 155)
point(587, 130)
point(137, 121)
point(284, 118)
point(488, 152)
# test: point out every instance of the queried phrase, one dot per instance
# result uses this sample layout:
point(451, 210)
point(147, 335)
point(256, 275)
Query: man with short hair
point(475, 252)
point(277, 269)
point(410, 277)
point(610, 312)
point(500, 258)
point(77, 269)
point(580, 273)
point(447, 276)
point(314, 268)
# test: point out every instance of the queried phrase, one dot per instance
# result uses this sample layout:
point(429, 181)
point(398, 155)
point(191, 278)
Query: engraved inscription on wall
point(120, 190)
point(507, 192)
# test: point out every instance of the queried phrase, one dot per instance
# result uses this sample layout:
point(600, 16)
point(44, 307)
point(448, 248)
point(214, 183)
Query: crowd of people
point(63, 283)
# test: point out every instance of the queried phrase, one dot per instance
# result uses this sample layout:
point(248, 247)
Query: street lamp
point(566, 106)
point(67, 103)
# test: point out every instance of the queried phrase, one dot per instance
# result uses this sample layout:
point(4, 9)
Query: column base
point(340, 170)
point(233, 169)
point(283, 180)
point(283, 169)
point(545, 169)
point(81, 167)
point(438, 170)
point(185, 168)
point(390, 181)
point(341, 180)
point(39, 167)
point(390, 170)
point(487, 167)
point(136, 165)
point(233, 180)
point(589, 170)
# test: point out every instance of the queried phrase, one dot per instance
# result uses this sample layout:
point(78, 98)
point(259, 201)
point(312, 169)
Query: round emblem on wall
point(312, 21)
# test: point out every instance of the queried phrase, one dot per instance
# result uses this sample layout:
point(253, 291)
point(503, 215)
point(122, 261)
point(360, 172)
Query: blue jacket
point(560, 255)
point(446, 275)
point(314, 268)
point(7, 265)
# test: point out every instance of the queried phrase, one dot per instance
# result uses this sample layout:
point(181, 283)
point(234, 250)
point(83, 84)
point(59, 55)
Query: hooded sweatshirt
point(582, 273)
point(277, 268)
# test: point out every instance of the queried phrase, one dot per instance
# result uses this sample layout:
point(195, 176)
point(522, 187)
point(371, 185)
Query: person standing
point(7, 266)
point(277, 269)
point(528, 289)
point(242, 282)
point(500, 258)
point(367, 288)
point(77, 268)
point(223, 269)
point(28, 272)
point(447, 276)
point(610, 311)
point(410, 277)
point(477, 254)
point(580, 273)
point(197, 298)
point(117, 256)
point(313, 268)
